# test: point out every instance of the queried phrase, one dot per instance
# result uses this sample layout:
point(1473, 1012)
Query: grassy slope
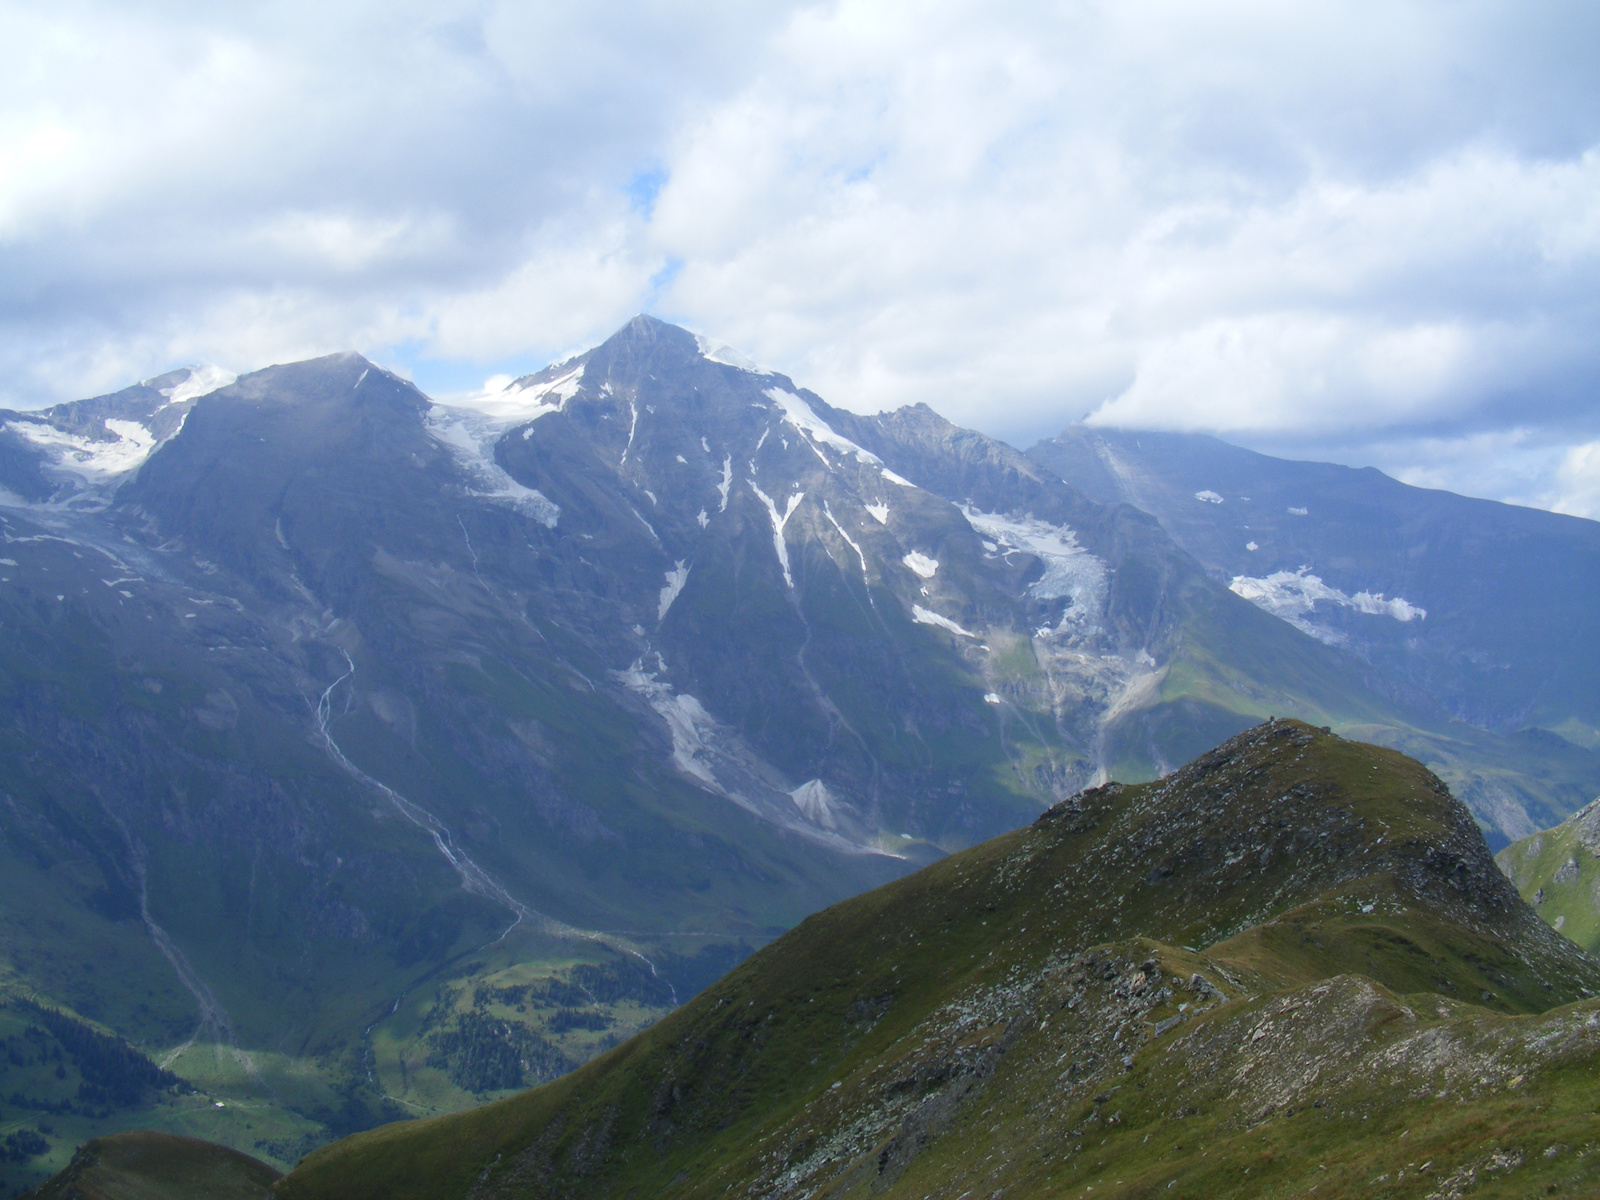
point(1558, 872)
point(953, 1029)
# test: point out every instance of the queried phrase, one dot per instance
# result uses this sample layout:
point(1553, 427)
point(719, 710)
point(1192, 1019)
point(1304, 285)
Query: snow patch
point(880, 513)
point(470, 438)
point(1208, 496)
point(1251, 546)
point(924, 617)
point(1294, 595)
point(1298, 512)
point(656, 537)
point(801, 415)
point(777, 526)
point(633, 428)
point(849, 541)
point(676, 578)
point(727, 482)
point(922, 564)
point(703, 519)
point(991, 697)
point(893, 478)
point(720, 352)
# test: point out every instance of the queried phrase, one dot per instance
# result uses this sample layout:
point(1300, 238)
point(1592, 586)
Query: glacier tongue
point(1070, 571)
point(91, 461)
point(470, 437)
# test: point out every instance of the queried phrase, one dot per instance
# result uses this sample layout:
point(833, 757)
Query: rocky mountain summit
point(1291, 964)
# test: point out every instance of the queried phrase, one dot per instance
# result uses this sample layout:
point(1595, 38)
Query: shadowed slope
point(145, 1165)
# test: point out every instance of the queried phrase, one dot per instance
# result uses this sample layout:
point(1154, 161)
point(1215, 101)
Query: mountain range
point(1479, 608)
point(366, 756)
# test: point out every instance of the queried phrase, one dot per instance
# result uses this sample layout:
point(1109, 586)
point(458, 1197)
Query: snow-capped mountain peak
point(199, 380)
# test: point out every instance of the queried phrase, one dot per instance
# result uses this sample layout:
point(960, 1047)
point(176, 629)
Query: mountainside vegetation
point(1557, 871)
point(1291, 964)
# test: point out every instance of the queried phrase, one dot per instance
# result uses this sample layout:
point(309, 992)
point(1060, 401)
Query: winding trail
point(474, 879)
point(213, 1017)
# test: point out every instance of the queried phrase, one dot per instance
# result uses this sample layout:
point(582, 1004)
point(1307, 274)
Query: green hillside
point(1290, 964)
point(1558, 872)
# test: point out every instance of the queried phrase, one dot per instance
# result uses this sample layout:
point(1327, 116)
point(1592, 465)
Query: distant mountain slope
point(1483, 608)
point(1292, 963)
point(362, 755)
point(890, 605)
point(1558, 872)
point(1509, 639)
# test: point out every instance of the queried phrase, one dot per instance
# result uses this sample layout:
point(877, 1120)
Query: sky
point(1367, 232)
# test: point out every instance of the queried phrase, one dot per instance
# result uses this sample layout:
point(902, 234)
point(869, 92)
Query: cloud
point(350, 168)
point(1372, 227)
point(1226, 219)
point(1577, 489)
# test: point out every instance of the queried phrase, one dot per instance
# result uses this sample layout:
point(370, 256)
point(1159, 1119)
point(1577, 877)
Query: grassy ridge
point(971, 1024)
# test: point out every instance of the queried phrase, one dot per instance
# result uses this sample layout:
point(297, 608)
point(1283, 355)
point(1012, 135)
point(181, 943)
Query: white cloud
point(1577, 488)
point(1060, 251)
point(1360, 222)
